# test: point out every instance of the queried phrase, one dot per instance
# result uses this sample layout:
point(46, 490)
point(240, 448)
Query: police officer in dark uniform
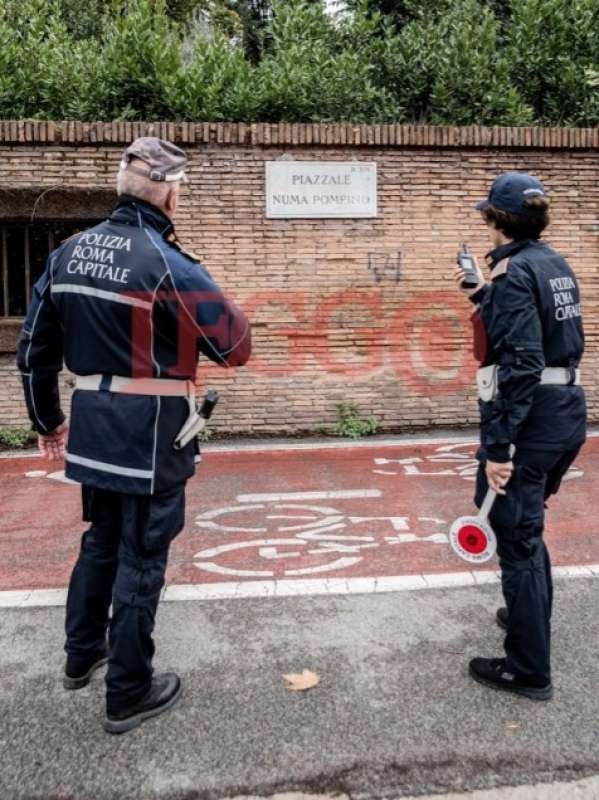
point(529, 339)
point(129, 311)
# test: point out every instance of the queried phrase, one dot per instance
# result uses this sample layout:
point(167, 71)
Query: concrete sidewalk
point(586, 789)
point(395, 714)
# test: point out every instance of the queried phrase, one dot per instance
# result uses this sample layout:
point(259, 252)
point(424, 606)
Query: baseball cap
point(509, 192)
point(166, 161)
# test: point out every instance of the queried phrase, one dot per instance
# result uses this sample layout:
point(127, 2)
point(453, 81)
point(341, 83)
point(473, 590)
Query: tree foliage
point(453, 72)
point(42, 69)
point(509, 62)
point(314, 70)
point(553, 48)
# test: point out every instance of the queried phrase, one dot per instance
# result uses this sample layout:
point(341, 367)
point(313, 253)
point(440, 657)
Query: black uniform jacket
point(531, 315)
point(124, 299)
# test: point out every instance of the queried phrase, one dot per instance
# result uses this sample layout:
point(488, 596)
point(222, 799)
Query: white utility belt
point(486, 379)
point(155, 387)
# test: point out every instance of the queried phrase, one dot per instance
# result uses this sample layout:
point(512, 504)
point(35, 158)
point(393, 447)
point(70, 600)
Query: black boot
point(501, 618)
point(492, 672)
point(164, 693)
point(78, 674)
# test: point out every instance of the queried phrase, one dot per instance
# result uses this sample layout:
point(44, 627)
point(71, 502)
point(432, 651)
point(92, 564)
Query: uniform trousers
point(122, 561)
point(518, 521)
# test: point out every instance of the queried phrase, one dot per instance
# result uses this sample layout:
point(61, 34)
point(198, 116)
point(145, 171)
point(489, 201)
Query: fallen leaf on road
point(299, 682)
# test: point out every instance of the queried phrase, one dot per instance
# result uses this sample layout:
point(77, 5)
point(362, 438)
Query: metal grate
point(24, 249)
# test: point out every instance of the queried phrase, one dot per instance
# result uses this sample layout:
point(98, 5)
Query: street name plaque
point(321, 189)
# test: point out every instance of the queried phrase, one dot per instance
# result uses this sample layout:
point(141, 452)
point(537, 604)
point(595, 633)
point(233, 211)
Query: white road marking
point(398, 523)
point(344, 444)
point(342, 494)
point(409, 466)
point(39, 598)
point(206, 519)
point(319, 531)
point(405, 538)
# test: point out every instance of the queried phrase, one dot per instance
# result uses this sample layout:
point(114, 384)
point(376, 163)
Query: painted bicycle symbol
point(322, 538)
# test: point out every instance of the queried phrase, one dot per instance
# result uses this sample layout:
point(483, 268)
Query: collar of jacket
point(132, 210)
point(506, 251)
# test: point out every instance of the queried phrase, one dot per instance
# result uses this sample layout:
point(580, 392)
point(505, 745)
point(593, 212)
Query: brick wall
point(332, 321)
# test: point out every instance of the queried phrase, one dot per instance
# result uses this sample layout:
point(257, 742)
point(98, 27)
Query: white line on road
point(341, 494)
point(229, 590)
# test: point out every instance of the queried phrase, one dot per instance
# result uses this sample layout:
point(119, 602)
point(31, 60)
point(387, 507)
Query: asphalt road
point(394, 715)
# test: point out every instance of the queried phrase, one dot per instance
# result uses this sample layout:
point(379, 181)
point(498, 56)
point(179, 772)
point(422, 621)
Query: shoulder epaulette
point(172, 239)
point(500, 268)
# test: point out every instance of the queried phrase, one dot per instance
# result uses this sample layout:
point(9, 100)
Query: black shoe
point(80, 676)
point(501, 618)
point(492, 672)
point(164, 693)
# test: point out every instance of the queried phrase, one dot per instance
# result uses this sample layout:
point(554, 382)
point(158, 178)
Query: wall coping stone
point(26, 132)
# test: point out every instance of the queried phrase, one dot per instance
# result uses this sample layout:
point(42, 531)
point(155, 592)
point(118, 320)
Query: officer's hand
point(458, 277)
point(498, 474)
point(53, 445)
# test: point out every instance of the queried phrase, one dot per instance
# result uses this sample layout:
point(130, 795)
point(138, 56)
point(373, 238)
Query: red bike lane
point(268, 514)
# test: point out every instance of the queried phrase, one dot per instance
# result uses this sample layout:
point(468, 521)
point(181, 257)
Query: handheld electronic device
point(467, 262)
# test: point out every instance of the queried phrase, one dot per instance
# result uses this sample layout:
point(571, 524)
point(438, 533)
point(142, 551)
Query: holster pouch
point(197, 419)
point(193, 425)
point(486, 381)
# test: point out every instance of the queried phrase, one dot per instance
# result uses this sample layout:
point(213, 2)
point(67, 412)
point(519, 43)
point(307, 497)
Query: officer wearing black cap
point(128, 311)
point(529, 340)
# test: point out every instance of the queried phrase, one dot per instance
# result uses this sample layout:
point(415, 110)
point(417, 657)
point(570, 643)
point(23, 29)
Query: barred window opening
point(24, 249)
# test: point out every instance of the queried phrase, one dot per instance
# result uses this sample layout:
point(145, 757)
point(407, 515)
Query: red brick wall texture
point(346, 310)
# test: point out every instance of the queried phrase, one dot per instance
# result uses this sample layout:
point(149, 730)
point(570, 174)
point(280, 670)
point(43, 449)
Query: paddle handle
point(487, 505)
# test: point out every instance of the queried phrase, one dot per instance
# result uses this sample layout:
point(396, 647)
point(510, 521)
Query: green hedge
point(460, 62)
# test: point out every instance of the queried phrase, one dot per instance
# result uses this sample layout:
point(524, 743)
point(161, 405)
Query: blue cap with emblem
point(510, 192)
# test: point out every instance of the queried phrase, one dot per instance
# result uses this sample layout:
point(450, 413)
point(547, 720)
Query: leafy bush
point(216, 82)
point(311, 72)
point(44, 72)
point(351, 425)
point(552, 46)
point(137, 73)
point(16, 438)
point(437, 61)
point(450, 70)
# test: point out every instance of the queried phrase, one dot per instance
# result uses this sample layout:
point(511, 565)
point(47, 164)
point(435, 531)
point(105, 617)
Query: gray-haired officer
point(129, 312)
point(529, 340)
